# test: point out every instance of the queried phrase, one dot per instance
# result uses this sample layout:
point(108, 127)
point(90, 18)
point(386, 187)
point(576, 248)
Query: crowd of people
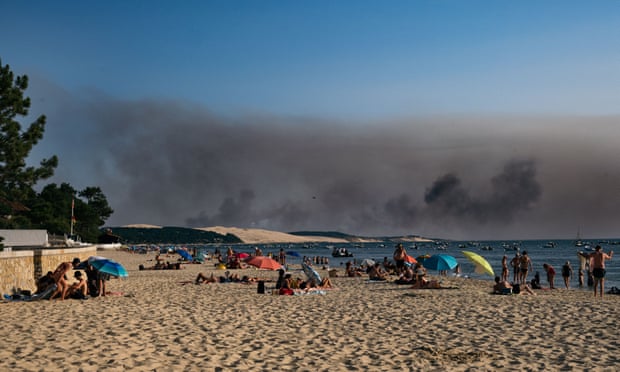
point(57, 282)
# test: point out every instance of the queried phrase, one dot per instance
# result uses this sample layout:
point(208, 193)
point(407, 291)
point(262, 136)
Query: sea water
point(492, 251)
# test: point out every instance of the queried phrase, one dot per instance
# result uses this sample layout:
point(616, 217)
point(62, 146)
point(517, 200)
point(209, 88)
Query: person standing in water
point(597, 263)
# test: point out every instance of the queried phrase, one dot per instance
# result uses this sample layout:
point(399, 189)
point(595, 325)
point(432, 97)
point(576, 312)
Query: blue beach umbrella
point(185, 254)
point(440, 262)
point(108, 266)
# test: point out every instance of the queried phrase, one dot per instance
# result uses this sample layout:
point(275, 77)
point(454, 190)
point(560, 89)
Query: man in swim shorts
point(597, 262)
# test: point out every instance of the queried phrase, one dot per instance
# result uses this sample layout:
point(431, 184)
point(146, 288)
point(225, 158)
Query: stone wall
point(21, 269)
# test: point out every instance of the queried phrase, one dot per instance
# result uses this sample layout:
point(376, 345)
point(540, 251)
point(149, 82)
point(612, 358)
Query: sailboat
point(578, 241)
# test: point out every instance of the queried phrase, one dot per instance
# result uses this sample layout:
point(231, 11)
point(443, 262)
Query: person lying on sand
point(500, 286)
point(201, 278)
point(423, 283)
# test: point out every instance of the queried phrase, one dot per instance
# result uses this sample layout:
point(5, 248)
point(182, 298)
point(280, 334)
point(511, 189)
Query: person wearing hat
point(597, 262)
point(79, 289)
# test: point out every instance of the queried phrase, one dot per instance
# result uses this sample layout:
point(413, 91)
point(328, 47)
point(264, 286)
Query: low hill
point(171, 235)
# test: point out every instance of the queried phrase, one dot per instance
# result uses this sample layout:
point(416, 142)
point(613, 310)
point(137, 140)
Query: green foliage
point(16, 178)
point(52, 210)
point(20, 206)
point(172, 235)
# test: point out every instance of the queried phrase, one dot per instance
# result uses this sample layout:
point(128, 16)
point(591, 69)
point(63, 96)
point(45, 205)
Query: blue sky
point(326, 57)
point(468, 86)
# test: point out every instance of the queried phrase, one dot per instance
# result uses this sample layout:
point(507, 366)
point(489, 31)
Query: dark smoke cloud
point(174, 163)
point(514, 190)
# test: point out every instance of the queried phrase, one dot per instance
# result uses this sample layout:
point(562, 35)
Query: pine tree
point(17, 179)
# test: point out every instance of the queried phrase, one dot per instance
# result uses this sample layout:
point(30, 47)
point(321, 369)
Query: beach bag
point(261, 287)
point(516, 289)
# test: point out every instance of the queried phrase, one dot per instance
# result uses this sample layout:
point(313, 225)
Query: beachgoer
point(525, 265)
point(399, 257)
point(550, 274)
point(79, 289)
point(376, 273)
point(583, 261)
point(60, 280)
point(201, 278)
point(567, 274)
point(535, 283)
point(102, 278)
point(457, 270)
point(597, 263)
point(501, 285)
point(282, 256)
point(280, 280)
point(351, 271)
point(423, 283)
point(505, 268)
point(407, 277)
point(44, 282)
point(419, 271)
point(286, 288)
point(515, 267)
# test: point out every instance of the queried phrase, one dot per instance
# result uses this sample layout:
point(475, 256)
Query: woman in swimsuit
point(525, 264)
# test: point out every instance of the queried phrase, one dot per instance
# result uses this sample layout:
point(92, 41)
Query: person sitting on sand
point(44, 282)
point(407, 277)
point(59, 276)
point(535, 283)
point(501, 285)
point(79, 289)
point(376, 273)
point(419, 271)
point(351, 271)
point(201, 278)
point(286, 289)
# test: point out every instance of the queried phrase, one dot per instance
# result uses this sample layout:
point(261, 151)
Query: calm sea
point(493, 251)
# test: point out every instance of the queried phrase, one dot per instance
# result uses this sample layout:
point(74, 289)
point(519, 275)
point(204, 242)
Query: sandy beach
point(155, 322)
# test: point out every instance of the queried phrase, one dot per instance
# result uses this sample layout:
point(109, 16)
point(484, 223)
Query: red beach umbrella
point(264, 262)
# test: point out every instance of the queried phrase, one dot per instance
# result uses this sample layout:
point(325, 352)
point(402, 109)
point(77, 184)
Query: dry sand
point(160, 324)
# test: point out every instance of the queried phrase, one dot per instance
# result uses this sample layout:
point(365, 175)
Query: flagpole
point(72, 217)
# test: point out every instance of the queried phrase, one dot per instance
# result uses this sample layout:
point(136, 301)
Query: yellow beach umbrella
point(482, 265)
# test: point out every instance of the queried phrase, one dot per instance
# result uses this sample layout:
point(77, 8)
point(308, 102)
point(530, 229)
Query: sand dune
point(260, 236)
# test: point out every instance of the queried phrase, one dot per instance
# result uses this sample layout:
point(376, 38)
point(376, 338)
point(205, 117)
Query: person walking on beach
point(515, 268)
point(550, 275)
point(525, 265)
point(567, 274)
point(597, 263)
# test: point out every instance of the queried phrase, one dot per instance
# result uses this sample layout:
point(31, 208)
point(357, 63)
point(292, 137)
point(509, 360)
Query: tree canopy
point(20, 205)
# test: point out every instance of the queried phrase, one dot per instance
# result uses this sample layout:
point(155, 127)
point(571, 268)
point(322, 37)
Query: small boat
point(341, 252)
point(550, 245)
